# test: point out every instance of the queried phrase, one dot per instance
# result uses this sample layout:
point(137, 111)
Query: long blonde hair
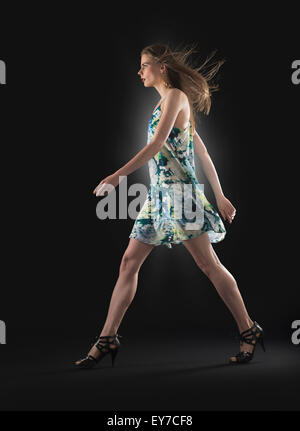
point(194, 81)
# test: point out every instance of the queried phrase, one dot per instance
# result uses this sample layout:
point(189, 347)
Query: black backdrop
point(74, 111)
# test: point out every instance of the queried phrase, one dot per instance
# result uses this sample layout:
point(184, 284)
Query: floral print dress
point(176, 208)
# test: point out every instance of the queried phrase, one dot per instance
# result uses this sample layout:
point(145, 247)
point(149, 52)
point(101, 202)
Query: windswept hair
point(196, 82)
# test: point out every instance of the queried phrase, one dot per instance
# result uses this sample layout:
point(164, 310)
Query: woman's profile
point(172, 141)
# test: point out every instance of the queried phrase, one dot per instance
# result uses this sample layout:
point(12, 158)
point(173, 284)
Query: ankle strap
point(103, 343)
point(250, 335)
point(107, 337)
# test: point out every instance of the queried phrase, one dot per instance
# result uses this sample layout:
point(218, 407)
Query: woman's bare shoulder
point(175, 94)
point(178, 92)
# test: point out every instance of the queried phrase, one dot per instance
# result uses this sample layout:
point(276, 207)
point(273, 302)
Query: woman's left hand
point(111, 179)
point(226, 208)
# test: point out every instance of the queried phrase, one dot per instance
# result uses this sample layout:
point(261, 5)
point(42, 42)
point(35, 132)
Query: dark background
point(75, 111)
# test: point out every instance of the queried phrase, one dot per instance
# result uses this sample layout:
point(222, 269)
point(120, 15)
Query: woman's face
point(149, 71)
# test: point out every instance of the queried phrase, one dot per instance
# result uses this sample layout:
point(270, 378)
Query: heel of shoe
point(261, 341)
point(113, 353)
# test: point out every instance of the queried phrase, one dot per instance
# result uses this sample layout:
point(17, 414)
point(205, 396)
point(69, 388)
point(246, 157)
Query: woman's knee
point(129, 264)
point(209, 265)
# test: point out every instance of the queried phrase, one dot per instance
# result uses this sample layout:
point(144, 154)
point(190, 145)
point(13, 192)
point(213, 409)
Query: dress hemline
point(180, 242)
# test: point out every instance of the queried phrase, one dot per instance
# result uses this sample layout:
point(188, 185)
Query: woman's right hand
point(226, 208)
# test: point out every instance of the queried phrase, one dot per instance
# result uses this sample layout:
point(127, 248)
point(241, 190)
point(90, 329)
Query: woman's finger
point(97, 188)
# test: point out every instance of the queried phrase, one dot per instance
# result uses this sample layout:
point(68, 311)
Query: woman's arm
point(136, 162)
point(173, 104)
point(226, 208)
point(207, 165)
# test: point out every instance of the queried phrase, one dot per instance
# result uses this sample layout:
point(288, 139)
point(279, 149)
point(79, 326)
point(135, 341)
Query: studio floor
point(170, 372)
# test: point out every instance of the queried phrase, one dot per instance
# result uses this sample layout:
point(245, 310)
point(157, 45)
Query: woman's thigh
point(202, 251)
point(135, 254)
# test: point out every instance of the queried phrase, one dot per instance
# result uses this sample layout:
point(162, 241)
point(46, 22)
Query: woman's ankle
point(109, 333)
point(246, 325)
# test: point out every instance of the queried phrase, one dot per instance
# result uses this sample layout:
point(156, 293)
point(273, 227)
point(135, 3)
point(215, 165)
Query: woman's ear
point(163, 68)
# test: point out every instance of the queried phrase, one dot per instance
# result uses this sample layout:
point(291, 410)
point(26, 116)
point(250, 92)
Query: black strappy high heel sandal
point(251, 336)
point(103, 345)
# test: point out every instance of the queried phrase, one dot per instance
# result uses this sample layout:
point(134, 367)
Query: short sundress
point(176, 208)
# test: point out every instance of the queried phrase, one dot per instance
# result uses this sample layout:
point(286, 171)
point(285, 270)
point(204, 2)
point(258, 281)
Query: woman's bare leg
point(225, 284)
point(125, 288)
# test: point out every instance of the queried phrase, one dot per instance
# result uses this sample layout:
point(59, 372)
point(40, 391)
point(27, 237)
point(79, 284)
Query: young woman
point(169, 152)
